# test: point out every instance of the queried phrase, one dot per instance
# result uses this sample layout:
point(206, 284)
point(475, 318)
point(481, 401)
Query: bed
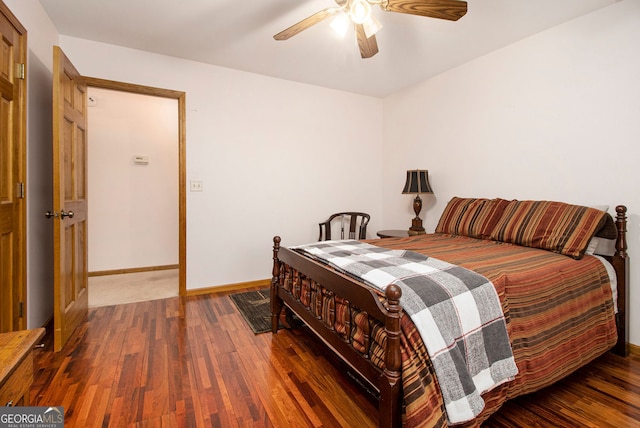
point(563, 302)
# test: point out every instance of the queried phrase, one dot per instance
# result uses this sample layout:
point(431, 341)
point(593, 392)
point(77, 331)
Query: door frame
point(182, 168)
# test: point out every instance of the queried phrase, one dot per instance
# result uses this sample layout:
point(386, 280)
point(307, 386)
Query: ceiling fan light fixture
point(371, 26)
point(360, 11)
point(340, 24)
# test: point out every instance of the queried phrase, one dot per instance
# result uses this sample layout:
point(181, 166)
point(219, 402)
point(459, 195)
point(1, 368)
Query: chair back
point(351, 225)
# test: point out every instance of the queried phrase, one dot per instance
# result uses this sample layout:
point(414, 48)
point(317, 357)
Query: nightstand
point(393, 233)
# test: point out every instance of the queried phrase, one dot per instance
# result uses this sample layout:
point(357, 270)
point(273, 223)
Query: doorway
point(70, 267)
point(131, 252)
point(133, 197)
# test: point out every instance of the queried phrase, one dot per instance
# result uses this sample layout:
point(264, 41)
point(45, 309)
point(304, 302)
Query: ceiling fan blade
point(443, 9)
point(305, 23)
point(368, 46)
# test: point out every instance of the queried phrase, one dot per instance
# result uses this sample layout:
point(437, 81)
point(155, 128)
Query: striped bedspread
point(559, 314)
point(456, 310)
point(558, 310)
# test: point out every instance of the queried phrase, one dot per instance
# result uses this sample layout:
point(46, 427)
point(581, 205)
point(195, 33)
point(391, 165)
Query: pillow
point(461, 217)
point(473, 217)
point(604, 241)
point(601, 246)
point(609, 229)
point(553, 226)
point(495, 214)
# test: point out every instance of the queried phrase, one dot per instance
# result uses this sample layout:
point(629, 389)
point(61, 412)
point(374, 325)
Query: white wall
point(555, 116)
point(133, 208)
point(262, 147)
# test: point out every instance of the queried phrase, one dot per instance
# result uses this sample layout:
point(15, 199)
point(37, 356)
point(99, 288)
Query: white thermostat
point(141, 160)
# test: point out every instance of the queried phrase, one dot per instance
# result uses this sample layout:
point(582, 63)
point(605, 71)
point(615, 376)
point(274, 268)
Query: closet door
point(12, 172)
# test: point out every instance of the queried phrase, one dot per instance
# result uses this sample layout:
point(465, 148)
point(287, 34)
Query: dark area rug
point(255, 308)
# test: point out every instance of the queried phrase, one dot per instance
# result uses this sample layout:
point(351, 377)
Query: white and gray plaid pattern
point(456, 311)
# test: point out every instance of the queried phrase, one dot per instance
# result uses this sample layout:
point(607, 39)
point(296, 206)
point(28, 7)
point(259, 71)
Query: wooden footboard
point(387, 311)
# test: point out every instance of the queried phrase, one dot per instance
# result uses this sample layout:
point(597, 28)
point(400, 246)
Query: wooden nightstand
point(16, 365)
point(393, 233)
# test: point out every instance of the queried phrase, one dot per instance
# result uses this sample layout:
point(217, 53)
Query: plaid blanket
point(456, 311)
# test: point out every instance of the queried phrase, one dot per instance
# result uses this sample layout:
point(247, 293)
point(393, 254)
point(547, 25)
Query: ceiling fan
point(358, 12)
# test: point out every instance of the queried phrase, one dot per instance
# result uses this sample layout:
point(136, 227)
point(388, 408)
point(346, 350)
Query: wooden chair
point(357, 225)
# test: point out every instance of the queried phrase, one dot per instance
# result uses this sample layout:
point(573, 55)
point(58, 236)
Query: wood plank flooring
point(195, 363)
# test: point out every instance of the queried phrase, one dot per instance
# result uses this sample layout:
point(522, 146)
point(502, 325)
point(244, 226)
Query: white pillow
point(602, 246)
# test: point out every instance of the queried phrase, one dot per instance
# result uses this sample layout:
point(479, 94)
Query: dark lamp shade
point(417, 182)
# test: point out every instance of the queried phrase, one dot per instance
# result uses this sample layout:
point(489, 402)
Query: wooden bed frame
point(389, 313)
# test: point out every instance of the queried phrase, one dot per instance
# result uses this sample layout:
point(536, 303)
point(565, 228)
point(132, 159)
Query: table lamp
point(417, 182)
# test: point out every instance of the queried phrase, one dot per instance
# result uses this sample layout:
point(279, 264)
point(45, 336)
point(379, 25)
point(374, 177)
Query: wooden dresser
point(16, 365)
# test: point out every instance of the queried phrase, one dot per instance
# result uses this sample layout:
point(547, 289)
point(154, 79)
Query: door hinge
point(21, 310)
point(20, 71)
point(20, 191)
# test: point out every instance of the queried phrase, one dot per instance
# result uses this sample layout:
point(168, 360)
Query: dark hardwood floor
point(167, 363)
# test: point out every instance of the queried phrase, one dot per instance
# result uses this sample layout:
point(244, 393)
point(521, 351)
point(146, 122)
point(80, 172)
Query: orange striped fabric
point(553, 226)
point(559, 310)
point(471, 217)
point(559, 314)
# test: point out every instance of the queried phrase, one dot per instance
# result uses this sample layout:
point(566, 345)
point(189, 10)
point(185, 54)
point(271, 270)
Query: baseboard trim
point(229, 287)
point(132, 270)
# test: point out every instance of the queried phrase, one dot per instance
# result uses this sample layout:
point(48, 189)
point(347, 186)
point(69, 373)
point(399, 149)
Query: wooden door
point(12, 172)
point(69, 198)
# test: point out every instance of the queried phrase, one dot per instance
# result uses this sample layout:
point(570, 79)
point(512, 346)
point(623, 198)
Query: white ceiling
point(239, 35)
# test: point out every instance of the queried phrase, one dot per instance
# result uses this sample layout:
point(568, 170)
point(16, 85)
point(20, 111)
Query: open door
point(69, 198)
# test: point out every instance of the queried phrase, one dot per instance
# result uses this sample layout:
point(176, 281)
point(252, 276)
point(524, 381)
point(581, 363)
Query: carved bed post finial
point(276, 302)
point(390, 399)
point(621, 225)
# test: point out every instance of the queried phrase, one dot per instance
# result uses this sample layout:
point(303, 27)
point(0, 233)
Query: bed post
point(276, 301)
point(390, 406)
point(620, 263)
